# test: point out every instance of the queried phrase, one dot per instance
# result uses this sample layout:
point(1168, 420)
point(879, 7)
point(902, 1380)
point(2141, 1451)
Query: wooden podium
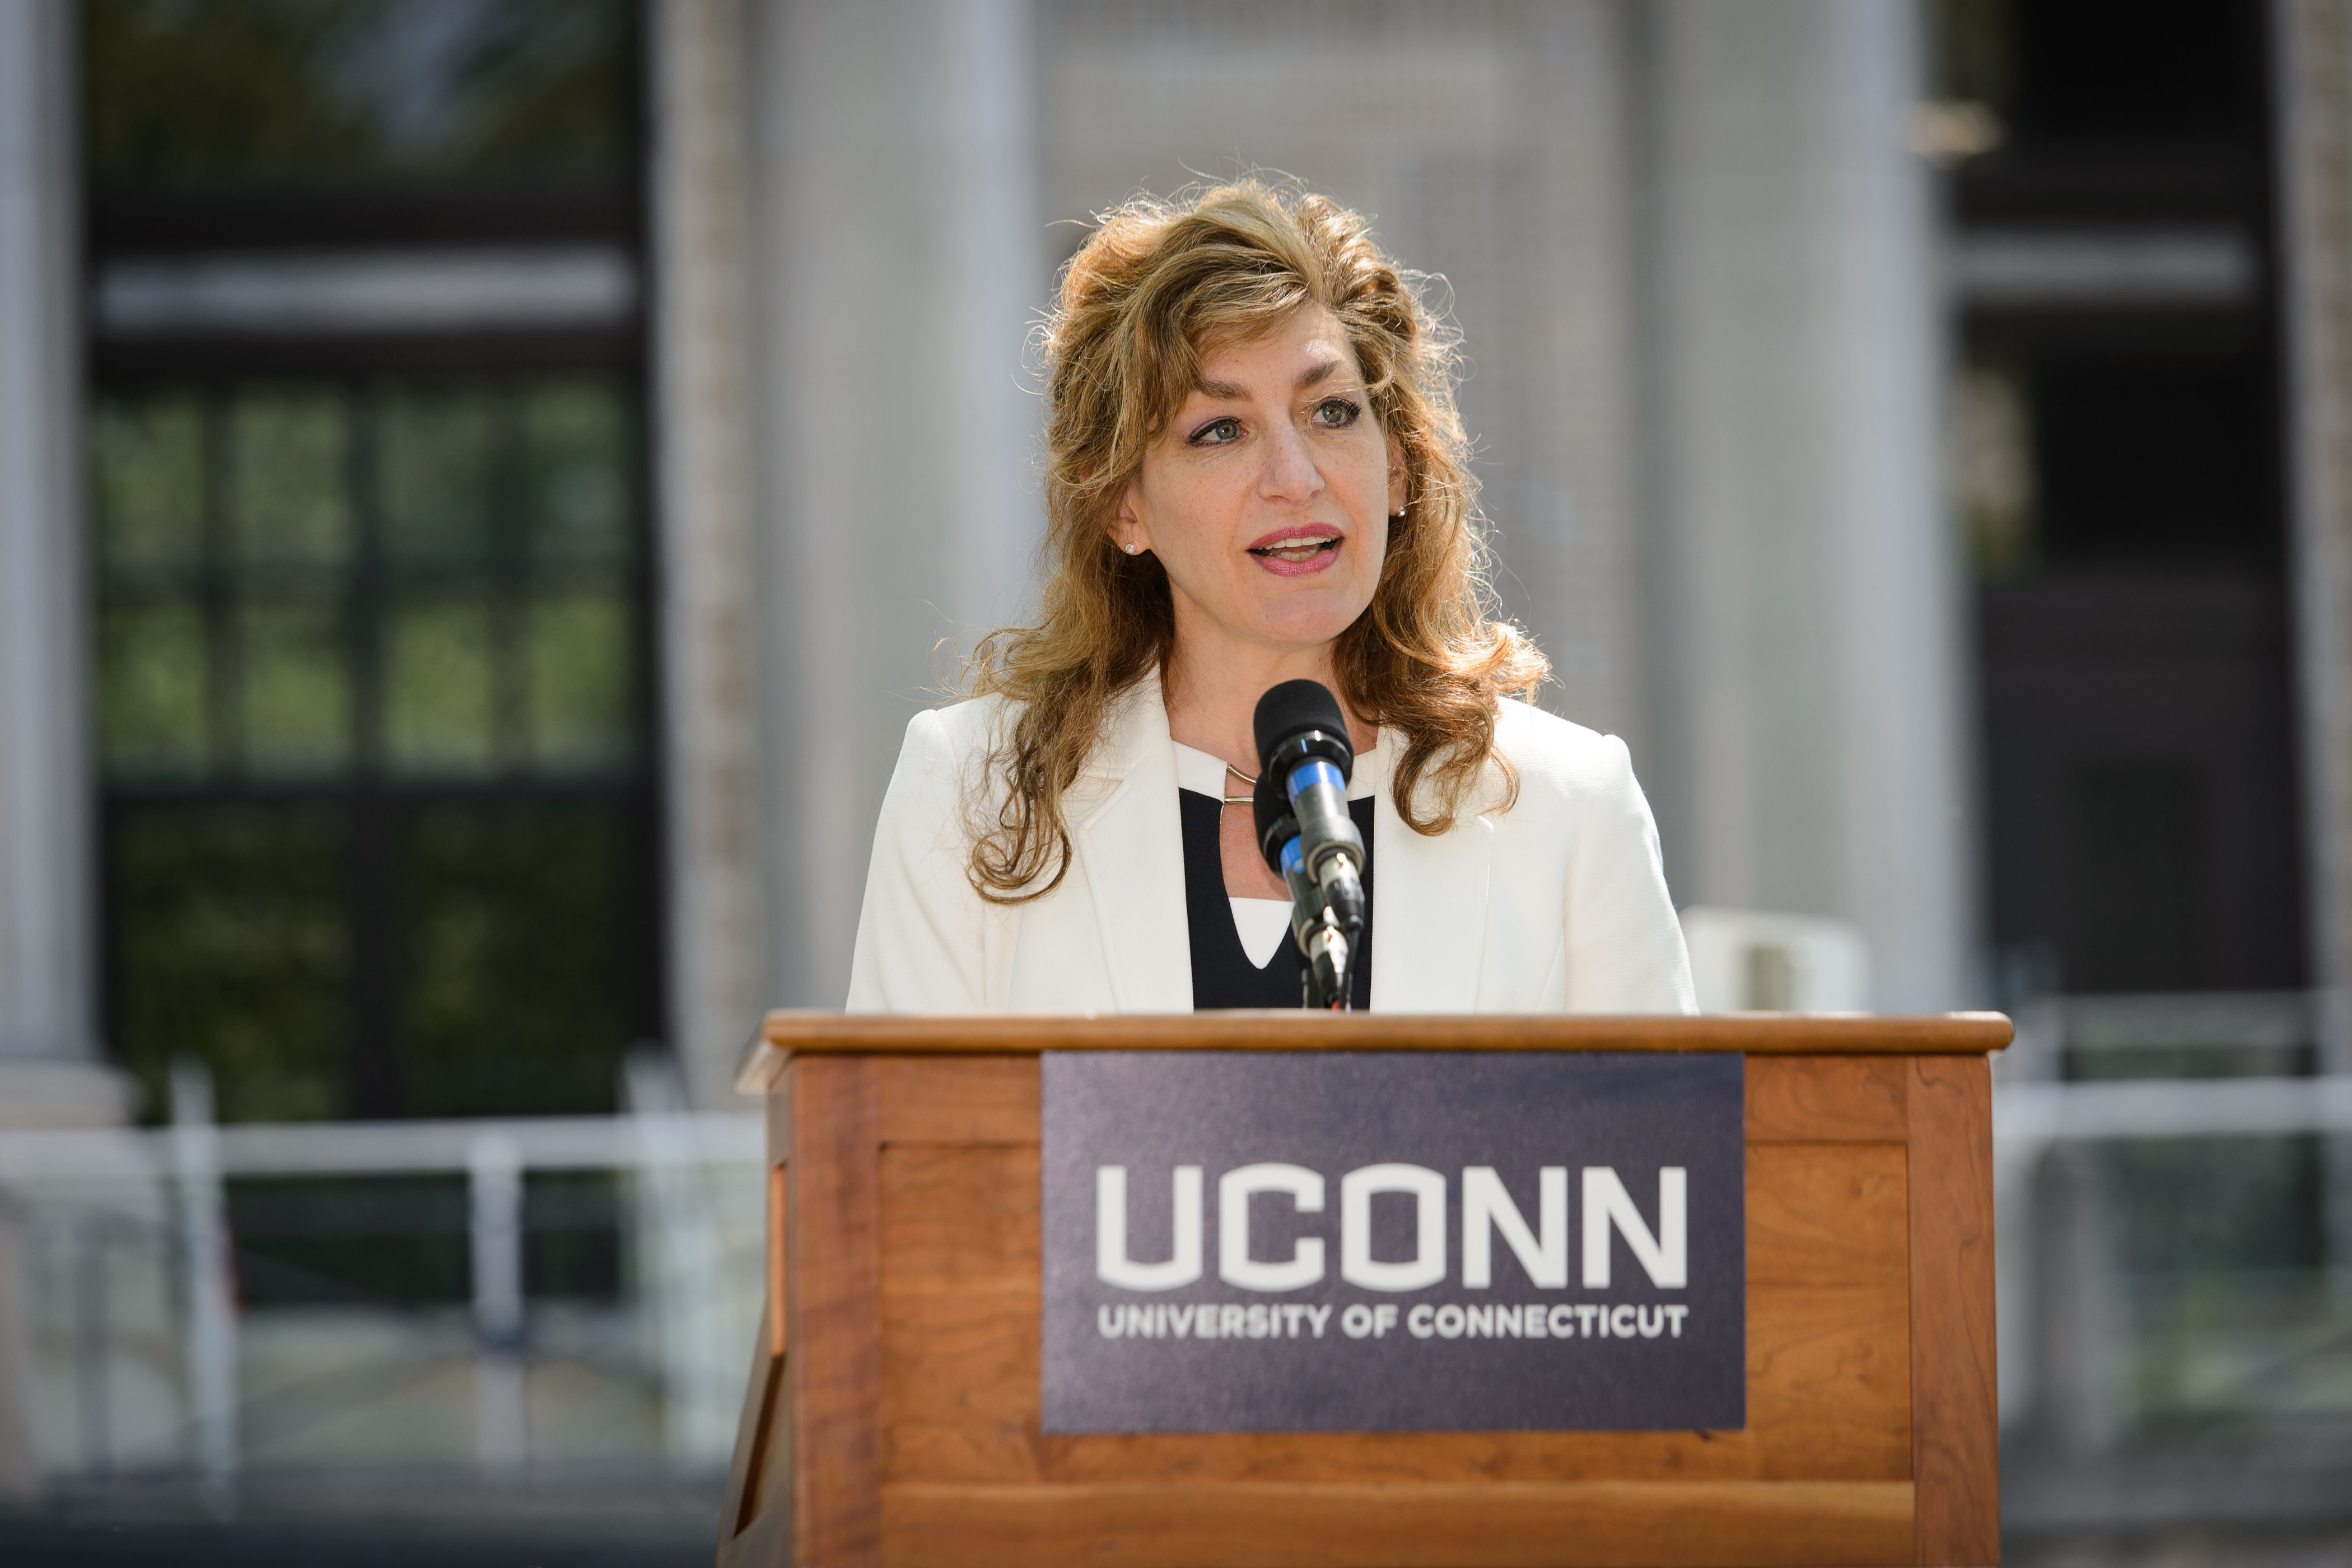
point(893, 1414)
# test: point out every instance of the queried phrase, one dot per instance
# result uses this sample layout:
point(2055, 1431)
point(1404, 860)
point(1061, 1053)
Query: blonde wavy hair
point(1152, 291)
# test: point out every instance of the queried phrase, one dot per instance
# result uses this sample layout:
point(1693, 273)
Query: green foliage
point(506, 637)
point(231, 947)
point(578, 652)
point(441, 683)
point(576, 449)
point(152, 672)
point(294, 711)
point(547, 83)
point(1975, 43)
point(244, 94)
point(441, 474)
point(514, 935)
point(289, 461)
point(202, 90)
point(147, 481)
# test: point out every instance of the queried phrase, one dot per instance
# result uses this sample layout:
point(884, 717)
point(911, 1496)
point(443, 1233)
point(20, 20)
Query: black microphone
point(1304, 829)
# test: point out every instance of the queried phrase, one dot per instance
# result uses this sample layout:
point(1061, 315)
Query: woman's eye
point(1336, 411)
point(1217, 432)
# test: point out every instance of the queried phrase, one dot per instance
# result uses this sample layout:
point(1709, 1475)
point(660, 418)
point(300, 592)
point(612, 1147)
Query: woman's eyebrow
point(1322, 370)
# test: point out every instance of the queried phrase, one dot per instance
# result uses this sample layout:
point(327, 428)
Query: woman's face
point(1267, 497)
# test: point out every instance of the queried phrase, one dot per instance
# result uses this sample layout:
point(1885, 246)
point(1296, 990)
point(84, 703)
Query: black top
point(1222, 975)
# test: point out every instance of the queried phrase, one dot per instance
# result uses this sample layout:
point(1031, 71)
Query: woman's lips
point(1297, 556)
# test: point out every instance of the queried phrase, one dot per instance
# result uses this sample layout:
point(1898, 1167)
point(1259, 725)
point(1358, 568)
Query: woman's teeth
point(1296, 549)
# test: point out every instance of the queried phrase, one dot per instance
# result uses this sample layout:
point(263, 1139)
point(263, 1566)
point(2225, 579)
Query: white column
point(46, 878)
point(1804, 591)
point(2313, 55)
point(897, 272)
point(1577, 548)
point(711, 613)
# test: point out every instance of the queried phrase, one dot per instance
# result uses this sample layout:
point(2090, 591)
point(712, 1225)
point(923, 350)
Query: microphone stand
point(1328, 936)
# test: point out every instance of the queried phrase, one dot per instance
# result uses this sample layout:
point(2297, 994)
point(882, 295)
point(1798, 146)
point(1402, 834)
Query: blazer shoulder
point(1559, 757)
point(964, 727)
point(943, 758)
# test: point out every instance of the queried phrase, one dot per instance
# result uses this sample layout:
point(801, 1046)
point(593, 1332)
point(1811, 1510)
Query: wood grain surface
point(833, 1381)
point(960, 1100)
point(1488, 1524)
point(1956, 1413)
point(911, 1394)
point(784, 1034)
point(1827, 1100)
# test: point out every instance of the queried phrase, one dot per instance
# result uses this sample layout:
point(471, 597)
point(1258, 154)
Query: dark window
point(374, 703)
point(387, 621)
point(2135, 890)
point(2120, 459)
point(2069, 75)
point(2165, 462)
point(2135, 71)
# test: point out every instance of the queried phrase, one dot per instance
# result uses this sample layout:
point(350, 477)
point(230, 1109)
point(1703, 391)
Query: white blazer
point(1557, 905)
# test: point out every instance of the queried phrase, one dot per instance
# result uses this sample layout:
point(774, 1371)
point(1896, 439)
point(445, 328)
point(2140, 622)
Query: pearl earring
point(1130, 547)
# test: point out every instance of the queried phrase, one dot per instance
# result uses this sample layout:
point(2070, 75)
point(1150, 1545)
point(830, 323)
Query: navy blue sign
point(1321, 1241)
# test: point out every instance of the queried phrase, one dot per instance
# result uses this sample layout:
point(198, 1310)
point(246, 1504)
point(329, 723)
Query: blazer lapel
point(1429, 904)
point(1131, 848)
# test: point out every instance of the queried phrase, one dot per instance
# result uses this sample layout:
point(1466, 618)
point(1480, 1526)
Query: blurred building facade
point(1723, 521)
point(504, 502)
point(484, 484)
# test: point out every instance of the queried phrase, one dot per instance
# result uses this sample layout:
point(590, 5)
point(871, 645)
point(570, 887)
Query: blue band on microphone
point(1312, 771)
point(1292, 859)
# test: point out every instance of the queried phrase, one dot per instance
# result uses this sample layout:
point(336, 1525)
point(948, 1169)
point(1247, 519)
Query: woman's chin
point(1311, 619)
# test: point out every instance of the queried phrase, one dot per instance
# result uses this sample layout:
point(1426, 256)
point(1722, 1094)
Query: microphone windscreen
point(1296, 706)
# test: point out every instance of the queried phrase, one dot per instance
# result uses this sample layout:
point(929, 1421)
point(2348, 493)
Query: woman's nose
point(1290, 472)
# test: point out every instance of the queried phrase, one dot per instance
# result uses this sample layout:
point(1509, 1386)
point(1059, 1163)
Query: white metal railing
point(2028, 1117)
point(2035, 1112)
point(666, 1148)
point(190, 1161)
point(369, 1148)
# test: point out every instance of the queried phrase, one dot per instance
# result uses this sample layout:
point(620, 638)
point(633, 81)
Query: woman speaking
point(1254, 474)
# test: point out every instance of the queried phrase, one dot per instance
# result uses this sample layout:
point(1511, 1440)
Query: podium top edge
point(787, 1033)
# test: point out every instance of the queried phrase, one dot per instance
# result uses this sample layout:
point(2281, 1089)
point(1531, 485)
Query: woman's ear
point(1397, 477)
point(1126, 529)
